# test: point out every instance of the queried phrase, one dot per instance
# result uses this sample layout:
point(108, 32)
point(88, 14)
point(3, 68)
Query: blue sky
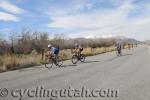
point(77, 18)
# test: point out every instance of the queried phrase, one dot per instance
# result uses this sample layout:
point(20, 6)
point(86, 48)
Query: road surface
point(127, 75)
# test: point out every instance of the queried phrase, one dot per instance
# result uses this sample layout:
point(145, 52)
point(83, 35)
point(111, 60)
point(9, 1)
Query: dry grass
point(12, 62)
point(65, 54)
point(95, 51)
point(8, 62)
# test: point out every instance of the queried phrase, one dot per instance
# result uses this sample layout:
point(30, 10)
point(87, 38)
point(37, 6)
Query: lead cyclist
point(53, 51)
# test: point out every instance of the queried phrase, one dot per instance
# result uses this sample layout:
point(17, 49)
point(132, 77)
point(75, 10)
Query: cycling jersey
point(55, 50)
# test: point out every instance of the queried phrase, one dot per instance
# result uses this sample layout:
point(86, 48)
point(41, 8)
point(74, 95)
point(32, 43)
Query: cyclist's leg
point(118, 51)
point(78, 54)
point(56, 53)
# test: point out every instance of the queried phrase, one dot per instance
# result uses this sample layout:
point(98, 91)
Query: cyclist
point(119, 48)
point(53, 50)
point(78, 49)
point(77, 56)
point(53, 57)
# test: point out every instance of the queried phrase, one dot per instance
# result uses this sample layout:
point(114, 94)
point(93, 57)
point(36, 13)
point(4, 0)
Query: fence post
point(42, 54)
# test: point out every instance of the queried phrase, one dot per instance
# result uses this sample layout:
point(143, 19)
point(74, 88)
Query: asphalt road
point(127, 77)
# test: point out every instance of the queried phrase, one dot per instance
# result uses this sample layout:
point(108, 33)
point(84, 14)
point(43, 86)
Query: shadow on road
point(31, 68)
point(126, 55)
point(68, 65)
point(91, 61)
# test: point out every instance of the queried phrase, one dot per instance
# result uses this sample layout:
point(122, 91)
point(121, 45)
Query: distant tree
point(59, 40)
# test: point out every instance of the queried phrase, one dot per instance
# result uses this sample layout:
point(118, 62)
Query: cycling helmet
point(49, 46)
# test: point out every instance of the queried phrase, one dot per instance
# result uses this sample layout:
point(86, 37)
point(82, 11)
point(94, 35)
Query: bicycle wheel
point(82, 58)
point(74, 59)
point(48, 63)
point(118, 52)
point(59, 61)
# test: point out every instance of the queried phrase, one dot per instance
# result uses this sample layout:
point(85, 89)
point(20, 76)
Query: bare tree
point(59, 40)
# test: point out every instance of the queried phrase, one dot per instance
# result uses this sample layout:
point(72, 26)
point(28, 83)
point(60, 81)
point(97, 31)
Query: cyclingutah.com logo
point(41, 92)
point(3, 92)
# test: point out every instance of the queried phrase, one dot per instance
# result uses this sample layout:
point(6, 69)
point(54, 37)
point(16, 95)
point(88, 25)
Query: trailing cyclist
point(119, 49)
point(77, 56)
point(78, 49)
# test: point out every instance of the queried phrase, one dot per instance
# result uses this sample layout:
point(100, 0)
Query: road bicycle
point(118, 51)
point(51, 60)
point(78, 57)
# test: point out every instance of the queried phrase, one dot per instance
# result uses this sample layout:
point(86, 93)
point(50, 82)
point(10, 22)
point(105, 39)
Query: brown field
point(12, 62)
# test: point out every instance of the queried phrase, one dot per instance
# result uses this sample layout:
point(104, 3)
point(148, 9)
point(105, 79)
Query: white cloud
point(74, 7)
point(7, 6)
point(105, 23)
point(8, 17)
point(137, 28)
point(91, 21)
